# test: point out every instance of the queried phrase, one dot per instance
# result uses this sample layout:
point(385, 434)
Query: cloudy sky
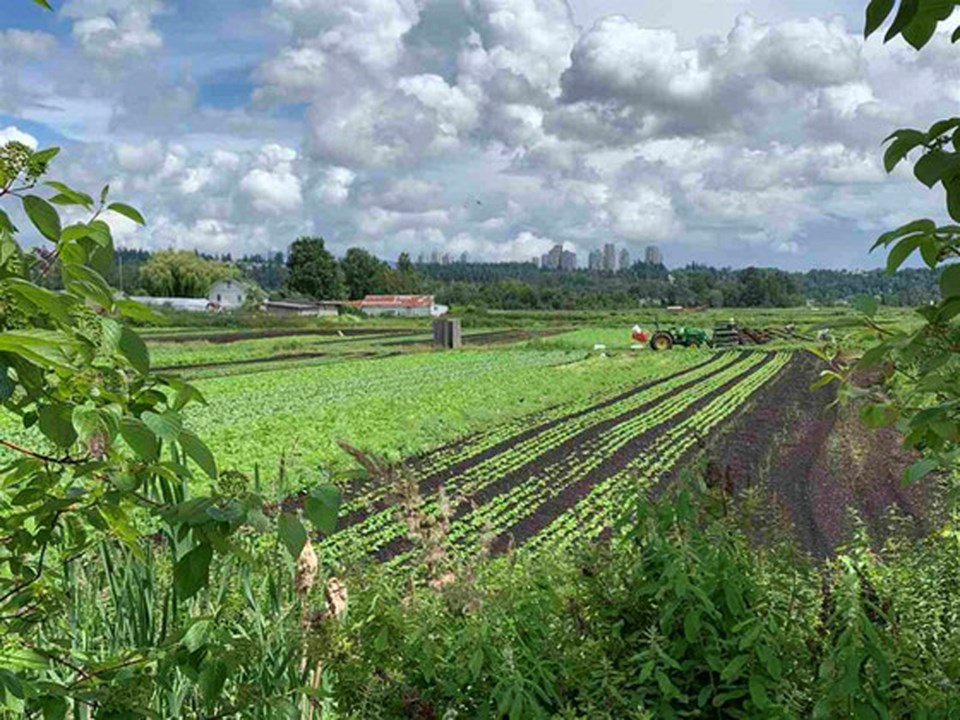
point(730, 132)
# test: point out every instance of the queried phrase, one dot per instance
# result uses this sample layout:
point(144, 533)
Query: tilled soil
point(815, 462)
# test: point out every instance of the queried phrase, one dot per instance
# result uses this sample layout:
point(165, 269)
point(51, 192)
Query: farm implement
point(724, 335)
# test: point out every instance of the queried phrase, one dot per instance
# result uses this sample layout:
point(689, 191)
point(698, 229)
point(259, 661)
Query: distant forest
point(519, 286)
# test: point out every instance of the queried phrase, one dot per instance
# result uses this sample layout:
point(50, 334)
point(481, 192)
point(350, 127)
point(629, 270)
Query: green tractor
point(682, 335)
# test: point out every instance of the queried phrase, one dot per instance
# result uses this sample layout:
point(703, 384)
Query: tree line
point(310, 270)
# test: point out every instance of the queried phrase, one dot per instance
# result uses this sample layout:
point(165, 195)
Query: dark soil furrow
point(567, 450)
point(463, 465)
point(432, 483)
point(552, 508)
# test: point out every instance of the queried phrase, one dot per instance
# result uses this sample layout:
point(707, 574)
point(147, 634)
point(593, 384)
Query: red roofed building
point(406, 305)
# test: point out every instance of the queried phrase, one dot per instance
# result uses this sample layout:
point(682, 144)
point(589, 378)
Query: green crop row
point(523, 451)
point(381, 527)
point(648, 368)
point(607, 499)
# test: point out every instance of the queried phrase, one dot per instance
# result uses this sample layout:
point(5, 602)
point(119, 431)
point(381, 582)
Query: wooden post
point(447, 334)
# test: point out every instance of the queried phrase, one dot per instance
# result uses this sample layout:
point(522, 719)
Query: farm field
point(561, 476)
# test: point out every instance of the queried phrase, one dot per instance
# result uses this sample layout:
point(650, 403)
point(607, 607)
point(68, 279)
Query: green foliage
point(919, 367)
point(104, 465)
point(313, 271)
point(680, 616)
point(915, 20)
point(363, 274)
point(181, 273)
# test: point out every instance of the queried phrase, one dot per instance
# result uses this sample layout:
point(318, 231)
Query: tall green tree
point(182, 273)
point(313, 271)
point(363, 274)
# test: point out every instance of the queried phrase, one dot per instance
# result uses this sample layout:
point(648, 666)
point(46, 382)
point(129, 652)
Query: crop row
point(607, 499)
point(501, 492)
point(397, 407)
point(665, 367)
point(502, 450)
point(578, 452)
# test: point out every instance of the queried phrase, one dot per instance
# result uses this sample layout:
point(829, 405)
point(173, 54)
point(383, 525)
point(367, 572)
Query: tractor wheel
point(661, 341)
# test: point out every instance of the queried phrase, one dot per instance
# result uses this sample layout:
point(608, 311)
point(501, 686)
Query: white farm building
point(227, 294)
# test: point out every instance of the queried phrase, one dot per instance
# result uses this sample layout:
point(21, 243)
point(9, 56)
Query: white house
point(228, 294)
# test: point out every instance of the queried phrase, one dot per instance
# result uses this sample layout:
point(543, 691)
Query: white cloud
point(114, 30)
point(25, 44)
point(273, 188)
point(13, 134)
point(335, 184)
point(492, 127)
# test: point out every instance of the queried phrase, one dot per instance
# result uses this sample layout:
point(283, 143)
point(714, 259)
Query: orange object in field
point(640, 335)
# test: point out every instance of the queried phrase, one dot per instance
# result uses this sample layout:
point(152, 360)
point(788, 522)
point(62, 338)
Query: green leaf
point(21, 658)
point(197, 451)
point(166, 427)
point(908, 11)
point(934, 164)
point(192, 572)
point(138, 311)
point(135, 351)
point(925, 227)
point(758, 692)
point(53, 707)
point(292, 533)
point(877, 13)
point(952, 186)
point(196, 635)
point(941, 127)
point(119, 523)
point(73, 197)
point(956, 36)
point(87, 422)
point(901, 251)
point(43, 216)
point(56, 423)
point(919, 32)
point(213, 677)
point(950, 281)
point(84, 280)
point(877, 416)
point(140, 438)
point(43, 4)
point(866, 304)
point(41, 347)
point(128, 212)
point(919, 470)
point(322, 507)
point(691, 626)
point(949, 310)
point(930, 252)
point(734, 668)
point(45, 301)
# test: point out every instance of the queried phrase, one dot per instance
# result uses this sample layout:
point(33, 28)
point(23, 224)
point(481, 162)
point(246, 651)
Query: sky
point(728, 132)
